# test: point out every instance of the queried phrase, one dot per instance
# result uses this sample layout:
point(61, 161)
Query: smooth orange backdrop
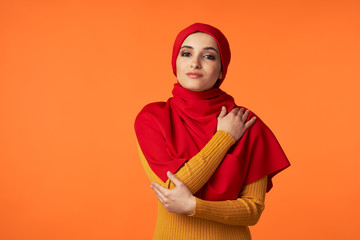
point(74, 74)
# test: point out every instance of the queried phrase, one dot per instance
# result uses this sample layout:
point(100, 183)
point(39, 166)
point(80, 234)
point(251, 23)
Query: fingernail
point(169, 173)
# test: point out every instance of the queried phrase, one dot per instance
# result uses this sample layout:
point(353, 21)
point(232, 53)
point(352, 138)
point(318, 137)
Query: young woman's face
point(198, 64)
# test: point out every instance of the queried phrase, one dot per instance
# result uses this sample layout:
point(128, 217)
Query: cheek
point(216, 68)
point(180, 72)
point(178, 65)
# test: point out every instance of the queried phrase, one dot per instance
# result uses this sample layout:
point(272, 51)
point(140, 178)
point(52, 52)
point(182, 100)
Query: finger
point(222, 112)
point(159, 193)
point(235, 110)
point(250, 123)
point(160, 188)
point(246, 114)
point(174, 179)
point(240, 113)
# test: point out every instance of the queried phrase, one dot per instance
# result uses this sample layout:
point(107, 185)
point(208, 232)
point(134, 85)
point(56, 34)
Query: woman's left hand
point(177, 200)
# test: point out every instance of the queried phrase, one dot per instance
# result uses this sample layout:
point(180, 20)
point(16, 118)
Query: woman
point(222, 162)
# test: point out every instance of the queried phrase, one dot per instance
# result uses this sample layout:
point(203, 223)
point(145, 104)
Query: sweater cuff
point(199, 208)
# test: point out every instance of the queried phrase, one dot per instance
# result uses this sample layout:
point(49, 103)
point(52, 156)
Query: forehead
point(200, 39)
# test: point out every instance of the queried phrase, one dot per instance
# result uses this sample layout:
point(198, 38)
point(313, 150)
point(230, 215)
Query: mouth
point(194, 75)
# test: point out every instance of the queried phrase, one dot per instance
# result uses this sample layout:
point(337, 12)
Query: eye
point(209, 56)
point(185, 54)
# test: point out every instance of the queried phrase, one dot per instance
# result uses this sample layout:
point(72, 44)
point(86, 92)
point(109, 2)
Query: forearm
point(245, 210)
point(197, 170)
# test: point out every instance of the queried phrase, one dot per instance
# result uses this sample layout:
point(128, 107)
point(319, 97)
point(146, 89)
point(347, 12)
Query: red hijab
point(170, 133)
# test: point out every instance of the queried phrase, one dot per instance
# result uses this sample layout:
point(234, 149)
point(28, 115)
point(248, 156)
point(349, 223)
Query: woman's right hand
point(234, 122)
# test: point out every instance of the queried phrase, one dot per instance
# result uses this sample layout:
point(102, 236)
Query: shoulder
point(259, 127)
point(152, 109)
point(154, 106)
point(251, 113)
point(149, 113)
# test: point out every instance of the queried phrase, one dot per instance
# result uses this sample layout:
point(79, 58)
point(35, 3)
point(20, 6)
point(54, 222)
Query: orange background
point(74, 74)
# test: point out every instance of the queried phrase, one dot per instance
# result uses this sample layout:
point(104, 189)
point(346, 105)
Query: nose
point(195, 63)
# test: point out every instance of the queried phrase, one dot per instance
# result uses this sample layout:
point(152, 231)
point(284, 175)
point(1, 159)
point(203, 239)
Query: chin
point(193, 87)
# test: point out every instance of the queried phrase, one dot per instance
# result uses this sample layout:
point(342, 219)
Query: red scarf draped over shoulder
point(170, 133)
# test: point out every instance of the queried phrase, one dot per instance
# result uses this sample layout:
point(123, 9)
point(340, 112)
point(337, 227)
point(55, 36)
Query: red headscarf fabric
point(170, 133)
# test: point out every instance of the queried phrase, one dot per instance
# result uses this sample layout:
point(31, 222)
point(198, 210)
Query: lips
point(194, 74)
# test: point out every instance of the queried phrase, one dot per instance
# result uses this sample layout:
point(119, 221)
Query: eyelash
point(209, 56)
point(206, 56)
point(185, 54)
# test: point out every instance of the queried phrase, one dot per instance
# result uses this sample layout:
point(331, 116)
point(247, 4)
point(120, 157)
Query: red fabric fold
point(170, 133)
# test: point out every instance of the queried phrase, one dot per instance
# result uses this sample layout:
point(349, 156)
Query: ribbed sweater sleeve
point(245, 210)
point(197, 170)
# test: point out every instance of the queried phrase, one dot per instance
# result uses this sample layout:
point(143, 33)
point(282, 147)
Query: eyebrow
point(205, 48)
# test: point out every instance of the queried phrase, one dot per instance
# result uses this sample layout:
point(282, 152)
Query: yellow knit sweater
point(211, 219)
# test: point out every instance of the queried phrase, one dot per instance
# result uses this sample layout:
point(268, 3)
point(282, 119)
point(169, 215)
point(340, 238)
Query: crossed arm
point(245, 210)
point(198, 170)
